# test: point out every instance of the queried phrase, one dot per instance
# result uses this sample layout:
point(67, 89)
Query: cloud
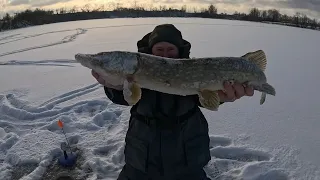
point(300, 4)
point(313, 5)
point(310, 7)
point(167, 1)
point(18, 2)
point(35, 3)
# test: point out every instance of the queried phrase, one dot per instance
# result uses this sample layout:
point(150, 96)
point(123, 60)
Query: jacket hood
point(166, 33)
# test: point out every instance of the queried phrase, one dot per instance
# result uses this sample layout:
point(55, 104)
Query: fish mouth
point(89, 60)
point(115, 62)
point(87, 57)
point(81, 57)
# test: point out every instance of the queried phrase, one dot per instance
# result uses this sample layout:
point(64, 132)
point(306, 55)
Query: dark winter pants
point(130, 173)
point(166, 154)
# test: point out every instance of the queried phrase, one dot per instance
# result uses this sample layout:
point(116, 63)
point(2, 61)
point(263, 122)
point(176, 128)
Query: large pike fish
point(196, 76)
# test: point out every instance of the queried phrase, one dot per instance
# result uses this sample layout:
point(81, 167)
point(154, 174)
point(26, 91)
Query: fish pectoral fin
point(131, 92)
point(263, 98)
point(257, 57)
point(209, 99)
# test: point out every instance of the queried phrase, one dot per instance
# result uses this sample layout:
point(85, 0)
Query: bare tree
point(305, 21)
point(313, 23)
point(7, 21)
point(150, 7)
point(86, 8)
point(212, 10)
point(112, 6)
point(195, 10)
point(184, 8)
point(296, 18)
point(203, 10)
point(264, 14)
point(163, 8)
point(98, 8)
point(118, 5)
point(254, 13)
point(274, 15)
point(62, 10)
point(74, 9)
point(285, 18)
point(134, 4)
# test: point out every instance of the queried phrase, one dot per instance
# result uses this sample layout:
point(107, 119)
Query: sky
point(290, 7)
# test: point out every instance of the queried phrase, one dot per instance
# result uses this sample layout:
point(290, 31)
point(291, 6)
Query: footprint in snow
point(21, 170)
point(232, 162)
point(220, 148)
point(219, 141)
point(239, 153)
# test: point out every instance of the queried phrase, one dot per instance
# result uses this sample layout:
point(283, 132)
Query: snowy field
point(40, 83)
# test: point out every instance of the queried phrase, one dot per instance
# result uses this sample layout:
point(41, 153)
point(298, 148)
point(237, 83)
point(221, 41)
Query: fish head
point(116, 63)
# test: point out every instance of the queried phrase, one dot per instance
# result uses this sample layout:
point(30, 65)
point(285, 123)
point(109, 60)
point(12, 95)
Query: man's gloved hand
point(105, 81)
point(234, 91)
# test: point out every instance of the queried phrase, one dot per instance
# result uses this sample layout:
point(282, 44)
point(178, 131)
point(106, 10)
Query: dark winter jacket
point(167, 136)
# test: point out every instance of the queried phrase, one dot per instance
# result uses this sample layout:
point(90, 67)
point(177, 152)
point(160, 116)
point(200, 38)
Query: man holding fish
point(168, 136)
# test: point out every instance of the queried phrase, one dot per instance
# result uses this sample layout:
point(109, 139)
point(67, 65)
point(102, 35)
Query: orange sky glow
point(227, 6)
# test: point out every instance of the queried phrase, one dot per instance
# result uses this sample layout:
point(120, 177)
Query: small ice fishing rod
point(60, 124)
point(66, 160)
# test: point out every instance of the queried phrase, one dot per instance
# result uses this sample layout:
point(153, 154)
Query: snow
point(41, 83)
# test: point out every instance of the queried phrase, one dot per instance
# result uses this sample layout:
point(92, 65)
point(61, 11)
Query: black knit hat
point(166, 32)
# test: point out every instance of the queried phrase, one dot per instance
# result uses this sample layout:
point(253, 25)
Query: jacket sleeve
point(116, 96)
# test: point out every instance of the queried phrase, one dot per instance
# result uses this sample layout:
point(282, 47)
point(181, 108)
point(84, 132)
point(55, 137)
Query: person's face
point(165, 49)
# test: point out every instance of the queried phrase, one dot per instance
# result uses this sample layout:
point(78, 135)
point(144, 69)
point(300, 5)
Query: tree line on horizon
point(39, 16)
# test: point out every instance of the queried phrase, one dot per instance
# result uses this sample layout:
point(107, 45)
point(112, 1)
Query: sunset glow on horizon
point(290, 7)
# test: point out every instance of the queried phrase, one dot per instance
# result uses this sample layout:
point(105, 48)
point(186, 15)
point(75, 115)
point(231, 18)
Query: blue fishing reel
point(67, 159)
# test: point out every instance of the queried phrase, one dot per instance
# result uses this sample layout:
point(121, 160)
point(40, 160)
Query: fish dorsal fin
point(258, 58)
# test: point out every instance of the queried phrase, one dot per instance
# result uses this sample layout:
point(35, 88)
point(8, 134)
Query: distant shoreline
point(36, 17)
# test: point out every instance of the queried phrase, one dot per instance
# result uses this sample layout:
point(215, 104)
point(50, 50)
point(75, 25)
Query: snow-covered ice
point(41, 83)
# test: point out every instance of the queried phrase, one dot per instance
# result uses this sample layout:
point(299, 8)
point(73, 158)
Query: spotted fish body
point(197, 76)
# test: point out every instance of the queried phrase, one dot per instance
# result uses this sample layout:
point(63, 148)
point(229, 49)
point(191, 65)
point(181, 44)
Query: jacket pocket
point(197, 153)
point(136, 153)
